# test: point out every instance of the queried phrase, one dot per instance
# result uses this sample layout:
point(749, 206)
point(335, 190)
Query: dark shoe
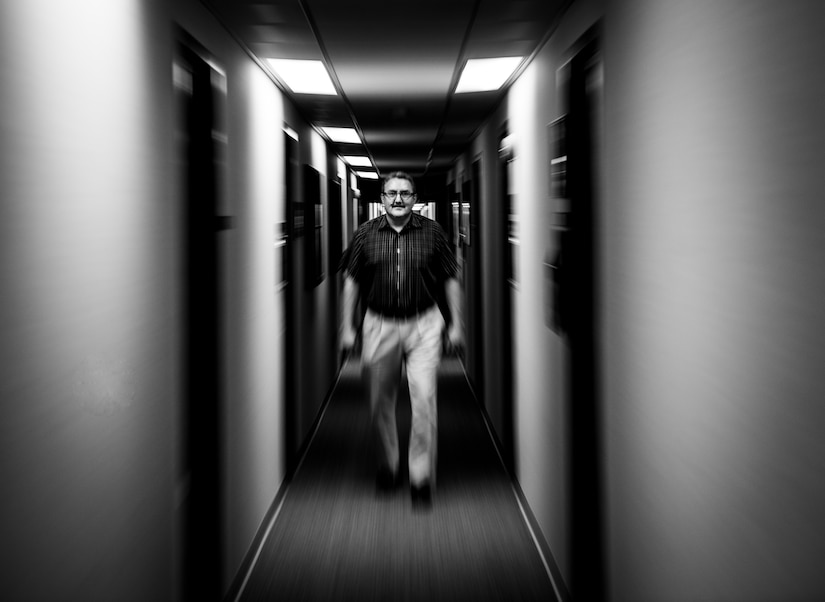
point(422, 496)
point(386, 480)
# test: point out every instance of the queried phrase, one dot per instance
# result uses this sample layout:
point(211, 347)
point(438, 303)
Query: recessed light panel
point(367, 175)
point(358, 161)
point(345, 135)
point(304, 77)
point(483, 75)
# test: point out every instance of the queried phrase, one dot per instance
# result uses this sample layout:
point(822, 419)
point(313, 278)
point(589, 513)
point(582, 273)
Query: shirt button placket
point(398, 269)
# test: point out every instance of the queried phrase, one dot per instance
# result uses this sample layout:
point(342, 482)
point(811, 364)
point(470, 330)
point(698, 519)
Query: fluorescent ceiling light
point(482, 75)
point(367, 175)
point(358, 161)
point(304, 77)
point(342, 135)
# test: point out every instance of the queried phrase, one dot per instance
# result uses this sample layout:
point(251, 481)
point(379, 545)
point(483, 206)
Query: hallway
point(638, 217)
point(333, 537)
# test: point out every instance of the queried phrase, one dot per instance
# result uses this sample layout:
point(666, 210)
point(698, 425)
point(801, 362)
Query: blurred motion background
point(650, 355)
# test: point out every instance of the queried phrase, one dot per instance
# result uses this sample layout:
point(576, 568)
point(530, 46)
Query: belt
point(401, 312)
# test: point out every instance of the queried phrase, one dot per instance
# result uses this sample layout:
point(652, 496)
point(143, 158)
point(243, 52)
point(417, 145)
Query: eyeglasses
point(406, 195)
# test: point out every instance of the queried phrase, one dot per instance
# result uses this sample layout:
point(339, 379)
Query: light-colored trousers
point(386, 343)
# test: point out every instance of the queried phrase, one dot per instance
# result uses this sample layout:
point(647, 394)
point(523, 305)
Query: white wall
point(714, 338)
point(253, 427)
point(91, 274)
point(254, 403)
point(541, 413)
point(88, 321)
point(540, 420)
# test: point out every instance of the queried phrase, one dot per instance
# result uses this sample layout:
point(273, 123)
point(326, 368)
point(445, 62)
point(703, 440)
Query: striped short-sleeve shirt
point(401, 274)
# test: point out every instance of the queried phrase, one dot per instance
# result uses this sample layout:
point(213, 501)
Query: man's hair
point(399, 175)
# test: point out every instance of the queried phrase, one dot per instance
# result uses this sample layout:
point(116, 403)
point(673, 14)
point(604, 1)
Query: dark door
point(471, 239)
point(477, 293)
point(293, 256)
point(509, 251)
point(335, 248)
point(198, 94)
point(581, 89)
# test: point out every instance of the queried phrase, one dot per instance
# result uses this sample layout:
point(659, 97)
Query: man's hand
point(348, 332)
point(455, 335)
point(348, 338)
point(455, 338)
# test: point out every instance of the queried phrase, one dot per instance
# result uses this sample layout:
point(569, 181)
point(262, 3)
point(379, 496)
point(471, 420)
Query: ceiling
point(394, 65)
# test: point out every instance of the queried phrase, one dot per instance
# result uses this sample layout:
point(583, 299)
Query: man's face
point(393, 198)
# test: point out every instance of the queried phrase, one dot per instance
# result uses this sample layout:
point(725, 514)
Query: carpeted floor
point(336, 538)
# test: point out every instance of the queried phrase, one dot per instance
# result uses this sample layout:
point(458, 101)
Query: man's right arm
point(348, 332)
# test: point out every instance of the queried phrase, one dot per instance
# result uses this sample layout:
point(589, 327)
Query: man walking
point(400, 264)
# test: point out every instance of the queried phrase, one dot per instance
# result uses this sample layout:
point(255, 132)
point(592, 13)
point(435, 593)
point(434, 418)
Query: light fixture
point(358, 161)
point(483, 75)
point(367, 175)
point(303, 76)
point(346, 135)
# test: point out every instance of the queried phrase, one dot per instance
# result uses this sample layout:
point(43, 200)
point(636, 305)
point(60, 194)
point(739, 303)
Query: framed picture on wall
point(506, 156)
point(557, 138)
point(313, 227)
point(455, 208)
point(464, 228)
point(281, 257)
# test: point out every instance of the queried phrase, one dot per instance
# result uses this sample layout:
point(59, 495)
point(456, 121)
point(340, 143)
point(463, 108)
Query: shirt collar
point(415, 222)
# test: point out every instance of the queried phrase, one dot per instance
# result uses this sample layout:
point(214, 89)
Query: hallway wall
point(89, 321)
point(539, 405)
point(714, 337)
point(542, 355)
point(710, 327)
point(315, 357)
point(92, 421)
point(255, 403)
point(491, 375)
point(254, 460)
